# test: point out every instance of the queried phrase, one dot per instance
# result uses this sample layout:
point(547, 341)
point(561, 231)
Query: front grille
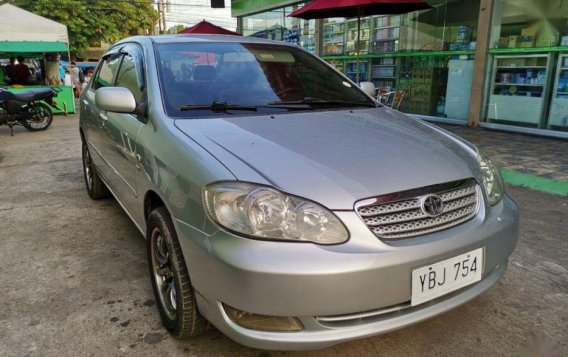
point(401, 215)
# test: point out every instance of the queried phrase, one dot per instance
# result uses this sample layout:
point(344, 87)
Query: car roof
point(181, 38)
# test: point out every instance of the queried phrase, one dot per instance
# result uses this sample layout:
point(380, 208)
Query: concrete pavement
point(74, 278)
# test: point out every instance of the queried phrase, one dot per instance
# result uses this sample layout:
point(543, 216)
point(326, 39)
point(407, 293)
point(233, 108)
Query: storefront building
point(500, 63)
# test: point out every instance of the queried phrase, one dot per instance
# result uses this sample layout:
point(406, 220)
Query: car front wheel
point(170, 278)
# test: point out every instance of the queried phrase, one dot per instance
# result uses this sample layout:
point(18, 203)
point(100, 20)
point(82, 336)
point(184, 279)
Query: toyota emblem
point(432, 205)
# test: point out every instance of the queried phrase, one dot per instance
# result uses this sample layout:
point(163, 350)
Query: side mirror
point(115, 99)
point(368, 88)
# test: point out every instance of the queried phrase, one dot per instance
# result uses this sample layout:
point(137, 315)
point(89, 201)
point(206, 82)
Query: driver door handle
point(103, 117)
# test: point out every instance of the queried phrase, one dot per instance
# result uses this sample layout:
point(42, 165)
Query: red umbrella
point(206, 27)
point(321, 9)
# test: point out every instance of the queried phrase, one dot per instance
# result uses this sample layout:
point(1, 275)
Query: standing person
point(52, 75)
point(76, 78)
point(68, 81)
point(21, 72)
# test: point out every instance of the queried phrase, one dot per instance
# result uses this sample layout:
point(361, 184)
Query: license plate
point(443, 277)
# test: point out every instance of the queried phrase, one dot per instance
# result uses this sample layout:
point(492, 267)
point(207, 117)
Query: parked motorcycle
point(28, 109)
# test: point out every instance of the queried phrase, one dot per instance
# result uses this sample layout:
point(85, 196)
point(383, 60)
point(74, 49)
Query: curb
point(538, 183)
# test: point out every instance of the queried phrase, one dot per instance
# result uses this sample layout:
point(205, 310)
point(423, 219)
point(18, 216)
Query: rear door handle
point(85, 102)
point(103, 116)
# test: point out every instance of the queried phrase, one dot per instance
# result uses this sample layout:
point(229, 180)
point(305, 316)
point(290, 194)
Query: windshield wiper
point(325, 102)
point(218, 107)
point(292, 105)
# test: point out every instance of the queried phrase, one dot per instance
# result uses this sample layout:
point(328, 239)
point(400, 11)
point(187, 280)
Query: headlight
point(263, 212)
point(492, 179)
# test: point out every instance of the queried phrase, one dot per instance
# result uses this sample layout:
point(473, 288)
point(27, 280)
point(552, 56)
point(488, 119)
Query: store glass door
point(519, 89)
point(558, 116)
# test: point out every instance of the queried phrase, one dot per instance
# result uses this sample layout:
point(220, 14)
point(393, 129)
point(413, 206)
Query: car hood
point(334, 157)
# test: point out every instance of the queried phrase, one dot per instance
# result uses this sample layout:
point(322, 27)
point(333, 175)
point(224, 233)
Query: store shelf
point(402, 54)
point(519, 84)
point(334, 39)
point(521, 67)
point(384, 72)
point(386, 39)
point(385, 34)
point(528, 50)
point(387, 27)
point(361, 67)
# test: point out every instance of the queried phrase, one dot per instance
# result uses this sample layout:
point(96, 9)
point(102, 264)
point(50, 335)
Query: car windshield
point(210, 79)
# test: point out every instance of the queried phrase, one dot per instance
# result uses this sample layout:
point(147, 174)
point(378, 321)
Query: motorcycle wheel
point(41, 118)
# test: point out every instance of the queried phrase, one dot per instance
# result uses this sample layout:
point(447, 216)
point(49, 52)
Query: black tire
point(42, 117)
point(168, 272)
point(96, 188)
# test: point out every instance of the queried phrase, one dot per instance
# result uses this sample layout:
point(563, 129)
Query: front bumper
point(312, 282)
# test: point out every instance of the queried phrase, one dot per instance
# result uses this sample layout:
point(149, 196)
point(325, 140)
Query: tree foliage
point(93, 21)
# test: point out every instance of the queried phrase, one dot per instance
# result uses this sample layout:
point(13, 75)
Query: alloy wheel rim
point(87, 166)
point(163, 274)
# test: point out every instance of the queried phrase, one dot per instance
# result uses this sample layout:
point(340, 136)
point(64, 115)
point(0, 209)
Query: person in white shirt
point(75, 78)
point(68, 81)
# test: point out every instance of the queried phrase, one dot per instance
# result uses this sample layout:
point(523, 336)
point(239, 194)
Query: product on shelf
point(333, 38)
point(351, 70)
point(357, 40)
point(424, 81)
point(541, 33)
point(384, 72)
point(386, 34)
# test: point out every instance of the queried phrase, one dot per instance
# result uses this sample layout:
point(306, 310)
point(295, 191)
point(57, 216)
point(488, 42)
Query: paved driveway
point(74, 279)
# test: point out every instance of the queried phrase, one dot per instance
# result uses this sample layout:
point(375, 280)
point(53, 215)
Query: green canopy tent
point(24, 32)
point(27, 34)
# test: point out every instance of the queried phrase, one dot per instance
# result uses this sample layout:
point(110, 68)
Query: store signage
point(249, 7)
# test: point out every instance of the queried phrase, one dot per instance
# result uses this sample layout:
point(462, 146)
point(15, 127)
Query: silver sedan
point(280, 202)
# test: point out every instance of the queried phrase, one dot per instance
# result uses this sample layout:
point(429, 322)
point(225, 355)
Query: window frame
point(113, 52)
point(135, 51)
